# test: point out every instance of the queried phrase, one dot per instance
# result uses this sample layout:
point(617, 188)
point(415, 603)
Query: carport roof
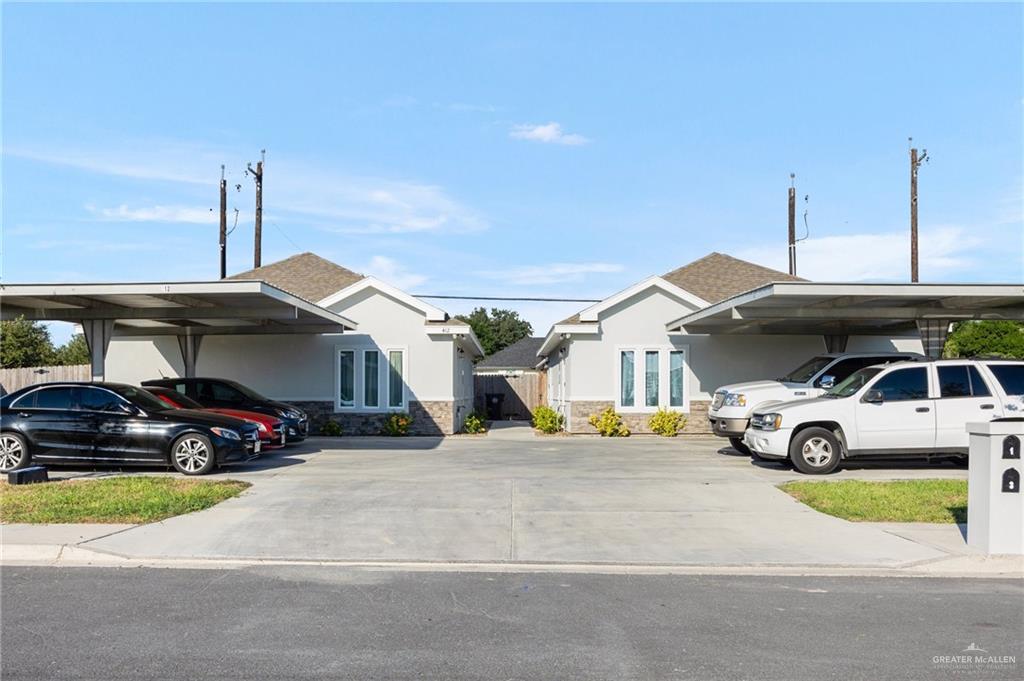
point(815, 308)
point(177, 308)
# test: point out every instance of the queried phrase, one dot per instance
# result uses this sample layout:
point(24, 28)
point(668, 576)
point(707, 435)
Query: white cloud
point(392, 272)
point(552, 273)
point(187, 214)
point(874, 257)
point(548, 133)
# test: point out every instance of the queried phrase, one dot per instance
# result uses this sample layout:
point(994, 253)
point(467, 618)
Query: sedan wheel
point(815, 451)
point(13, 453)
point(192, 455)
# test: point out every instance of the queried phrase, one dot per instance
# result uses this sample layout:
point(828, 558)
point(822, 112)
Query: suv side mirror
point(874, 397)
point(827, 382)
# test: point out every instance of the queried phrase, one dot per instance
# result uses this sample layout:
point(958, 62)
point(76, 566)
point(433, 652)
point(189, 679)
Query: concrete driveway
point(515, 497)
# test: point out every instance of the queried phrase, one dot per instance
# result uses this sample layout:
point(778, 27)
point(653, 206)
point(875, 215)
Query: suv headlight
point(766, 421)
point(289, 413)
point(735, 400)
point(226, 433)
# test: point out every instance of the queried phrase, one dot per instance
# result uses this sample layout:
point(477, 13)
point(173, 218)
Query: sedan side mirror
point(874, 397)
point(827, 382)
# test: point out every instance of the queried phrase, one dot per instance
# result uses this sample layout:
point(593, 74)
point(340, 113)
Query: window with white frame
point(368, 379)
point(650, 378)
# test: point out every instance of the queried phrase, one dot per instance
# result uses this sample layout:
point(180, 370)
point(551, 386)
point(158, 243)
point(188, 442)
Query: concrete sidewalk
point(638, 503)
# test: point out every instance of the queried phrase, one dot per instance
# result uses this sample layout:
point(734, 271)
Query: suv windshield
point(806, 371)
point(853, 383)
point(140, 398)
point(248, 392)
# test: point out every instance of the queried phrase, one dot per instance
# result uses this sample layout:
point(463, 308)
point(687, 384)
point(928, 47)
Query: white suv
point(733, 404)
point(906, 408)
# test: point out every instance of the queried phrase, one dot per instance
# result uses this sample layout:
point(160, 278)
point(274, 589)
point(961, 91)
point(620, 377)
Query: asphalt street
point(329, 623)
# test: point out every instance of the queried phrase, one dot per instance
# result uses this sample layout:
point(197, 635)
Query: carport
point(187, 310)
point(837, 311)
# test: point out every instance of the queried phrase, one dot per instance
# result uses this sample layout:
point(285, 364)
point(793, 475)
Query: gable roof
point(718, 276)
point(306, 275)
point(519, 355)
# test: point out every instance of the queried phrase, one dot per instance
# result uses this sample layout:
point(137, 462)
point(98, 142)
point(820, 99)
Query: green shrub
point(547, 420)
point(609, 424)
point(331, 429)
point(397, 425)
point(667, 423)
point(474, 424)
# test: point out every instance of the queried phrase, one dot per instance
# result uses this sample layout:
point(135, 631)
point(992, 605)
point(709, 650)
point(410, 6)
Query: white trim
point(358, 405)
point(459, 332)
point(338, 406)
point(404, 405)
point(640, 379)
point(563, 332)
point(591, 313)
point(432, 313)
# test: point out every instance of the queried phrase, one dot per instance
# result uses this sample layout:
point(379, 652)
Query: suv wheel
point(13, 452)
point(815, 451)
point(737, 444)
point(193, 454)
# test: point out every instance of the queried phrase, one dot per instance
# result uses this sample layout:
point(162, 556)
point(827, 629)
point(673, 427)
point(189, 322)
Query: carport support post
point(189, 345)
point(835, 342)
point(97, 336)
point(933, 336)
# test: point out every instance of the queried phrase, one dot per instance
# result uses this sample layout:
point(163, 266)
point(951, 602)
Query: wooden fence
point(13, 379)
point(512, 396)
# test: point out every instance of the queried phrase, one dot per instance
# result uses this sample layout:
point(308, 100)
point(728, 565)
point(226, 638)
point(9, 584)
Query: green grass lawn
point(900, 501)
point(134, 499)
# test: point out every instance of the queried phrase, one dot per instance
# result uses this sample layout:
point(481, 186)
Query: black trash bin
point(495, 406)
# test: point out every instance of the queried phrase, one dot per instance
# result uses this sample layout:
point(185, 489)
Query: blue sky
point(525, 150)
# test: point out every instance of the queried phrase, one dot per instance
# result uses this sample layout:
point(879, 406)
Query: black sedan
point(226, 394)
point(112, 423)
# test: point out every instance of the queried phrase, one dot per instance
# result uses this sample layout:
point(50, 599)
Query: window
point(675, 379)
point(53, 398)
point(1010, 376)
point(978, 386)
point(651, 360)
point(346, 378)
point(371, 378)
point(215, 391)
point(396, 384)
point(961, 380)
point(904, 384)
point(93, 399)
point(626, 379)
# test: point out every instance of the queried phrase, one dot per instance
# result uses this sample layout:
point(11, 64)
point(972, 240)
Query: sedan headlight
point(226, 433)
point(288, 413)
point(735, 400)
point(766, 421)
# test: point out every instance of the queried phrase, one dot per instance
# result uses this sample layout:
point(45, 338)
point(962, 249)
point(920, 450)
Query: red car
point(271, 429)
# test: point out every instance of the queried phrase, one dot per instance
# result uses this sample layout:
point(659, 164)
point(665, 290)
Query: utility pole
point(792, 224)
point(258, 176)
point(915, 164)
point(223, 225)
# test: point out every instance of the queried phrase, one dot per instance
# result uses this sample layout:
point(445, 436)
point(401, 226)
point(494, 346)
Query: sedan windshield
point(141, 398)
point(806, 371)
point(853, 383)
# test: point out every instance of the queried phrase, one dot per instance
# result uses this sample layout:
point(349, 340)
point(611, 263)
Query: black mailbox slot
point(1011, 447)
point(1011, 481)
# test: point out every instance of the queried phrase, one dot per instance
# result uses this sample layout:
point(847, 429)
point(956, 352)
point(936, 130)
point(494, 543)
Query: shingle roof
point(717, 276)
point(306, 275)
point(519, 355)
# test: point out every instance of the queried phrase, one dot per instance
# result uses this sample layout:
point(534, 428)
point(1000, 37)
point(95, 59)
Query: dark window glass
point(954, 381)
point(53, 398)
point(25, 401)
point(978, 386)
point(904, 384)
point(1010, 376)
point(209, 391)
point(98, 400)
point(843, 369)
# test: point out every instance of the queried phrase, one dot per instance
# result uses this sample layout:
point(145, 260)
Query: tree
point(980, 338)
point(497, 330)
point(25, 343)
point(75, 351)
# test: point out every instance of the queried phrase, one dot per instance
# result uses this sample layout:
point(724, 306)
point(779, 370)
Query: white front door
point(964, 397)
point(904, 420)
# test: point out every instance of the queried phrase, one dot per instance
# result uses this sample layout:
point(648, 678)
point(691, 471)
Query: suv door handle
point(988, 406)
point(922, 409)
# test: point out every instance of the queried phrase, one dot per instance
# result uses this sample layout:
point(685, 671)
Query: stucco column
point(97, 334)
point(189, 345)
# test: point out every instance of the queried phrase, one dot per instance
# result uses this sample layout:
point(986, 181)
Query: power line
point(529, 300)
point(285, 235)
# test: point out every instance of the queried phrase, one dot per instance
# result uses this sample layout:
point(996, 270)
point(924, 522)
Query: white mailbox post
point(995, 503)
